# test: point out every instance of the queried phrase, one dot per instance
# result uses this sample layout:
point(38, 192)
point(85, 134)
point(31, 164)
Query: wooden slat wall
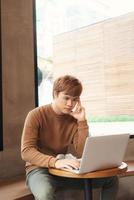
point(102, 56)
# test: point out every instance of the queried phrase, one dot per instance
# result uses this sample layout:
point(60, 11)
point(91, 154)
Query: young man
point(48, 131)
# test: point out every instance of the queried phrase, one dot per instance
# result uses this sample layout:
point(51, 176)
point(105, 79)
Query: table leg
point(88, 189)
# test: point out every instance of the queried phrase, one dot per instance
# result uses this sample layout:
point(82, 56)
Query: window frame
point(1, 108)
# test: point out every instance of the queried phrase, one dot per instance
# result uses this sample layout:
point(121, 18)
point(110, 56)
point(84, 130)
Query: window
point(63, 19)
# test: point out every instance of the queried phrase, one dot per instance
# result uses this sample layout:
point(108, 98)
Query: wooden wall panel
point(18, 80)
point(102, 56)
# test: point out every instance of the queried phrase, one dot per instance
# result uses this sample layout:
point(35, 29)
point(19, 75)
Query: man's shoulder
point(34, 111)
point(38, 110)
point(37, 114)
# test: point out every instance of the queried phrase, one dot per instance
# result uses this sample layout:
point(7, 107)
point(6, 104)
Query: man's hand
point(67, 163)
point(79, 112)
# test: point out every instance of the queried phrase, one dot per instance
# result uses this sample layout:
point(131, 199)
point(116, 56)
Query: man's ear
point(55, 94)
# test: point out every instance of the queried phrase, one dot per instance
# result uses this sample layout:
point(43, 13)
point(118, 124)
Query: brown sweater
point(47, 134)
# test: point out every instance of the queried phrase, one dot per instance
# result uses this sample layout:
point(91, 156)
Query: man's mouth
point(68, 109)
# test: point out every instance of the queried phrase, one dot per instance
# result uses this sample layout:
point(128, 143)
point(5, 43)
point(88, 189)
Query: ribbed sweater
point(46, 134)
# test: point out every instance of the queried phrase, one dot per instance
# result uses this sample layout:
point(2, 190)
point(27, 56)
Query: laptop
point(102, 152)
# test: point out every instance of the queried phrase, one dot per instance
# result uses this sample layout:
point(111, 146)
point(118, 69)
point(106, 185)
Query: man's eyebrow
point(75, 97)
point(71, 96)
point(67, 95)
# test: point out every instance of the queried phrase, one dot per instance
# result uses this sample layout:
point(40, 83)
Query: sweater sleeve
point(29, 141)
point(80, 135)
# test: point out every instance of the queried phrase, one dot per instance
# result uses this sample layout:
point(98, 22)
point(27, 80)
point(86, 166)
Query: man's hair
point(68, 84)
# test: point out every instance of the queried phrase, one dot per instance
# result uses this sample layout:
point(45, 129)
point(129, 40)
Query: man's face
point(65, 103)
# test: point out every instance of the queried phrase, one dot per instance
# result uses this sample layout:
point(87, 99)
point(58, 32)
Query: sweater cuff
point(82, 124)
point(52, 161)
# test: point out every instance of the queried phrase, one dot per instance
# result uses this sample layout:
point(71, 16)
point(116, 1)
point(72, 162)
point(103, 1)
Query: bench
point(16, 189)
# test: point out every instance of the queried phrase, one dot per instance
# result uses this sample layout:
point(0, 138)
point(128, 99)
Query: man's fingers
point(78, 107)
point(73, 163)
point(70, 162)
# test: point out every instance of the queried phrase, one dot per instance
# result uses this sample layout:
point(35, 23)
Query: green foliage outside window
point(120, 118)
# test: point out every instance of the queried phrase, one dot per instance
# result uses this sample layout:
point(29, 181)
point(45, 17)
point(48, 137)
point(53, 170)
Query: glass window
point(56, 17)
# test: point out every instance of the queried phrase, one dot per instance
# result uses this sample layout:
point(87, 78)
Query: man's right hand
point(67, 163)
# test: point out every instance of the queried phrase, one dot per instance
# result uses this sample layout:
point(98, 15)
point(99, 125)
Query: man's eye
point(66, 98)
point(76, 99)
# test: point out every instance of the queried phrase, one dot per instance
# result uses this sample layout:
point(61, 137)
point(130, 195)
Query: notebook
point(102, 152)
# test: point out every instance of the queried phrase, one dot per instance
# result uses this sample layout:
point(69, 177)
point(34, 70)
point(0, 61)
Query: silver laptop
point(102, 152)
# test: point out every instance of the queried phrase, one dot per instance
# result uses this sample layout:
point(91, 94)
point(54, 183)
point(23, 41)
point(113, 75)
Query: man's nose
point(69, 102)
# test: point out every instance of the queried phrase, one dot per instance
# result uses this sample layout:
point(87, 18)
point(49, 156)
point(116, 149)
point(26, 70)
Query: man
point(48, 131)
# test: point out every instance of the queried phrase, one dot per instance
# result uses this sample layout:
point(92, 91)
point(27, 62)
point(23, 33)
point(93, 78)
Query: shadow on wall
point(126, 191)
point(72, 194)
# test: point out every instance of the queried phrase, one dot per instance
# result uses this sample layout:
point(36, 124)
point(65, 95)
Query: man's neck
point(56, 110)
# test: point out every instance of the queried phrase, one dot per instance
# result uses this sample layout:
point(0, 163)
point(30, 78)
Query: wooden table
point(87, 177)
